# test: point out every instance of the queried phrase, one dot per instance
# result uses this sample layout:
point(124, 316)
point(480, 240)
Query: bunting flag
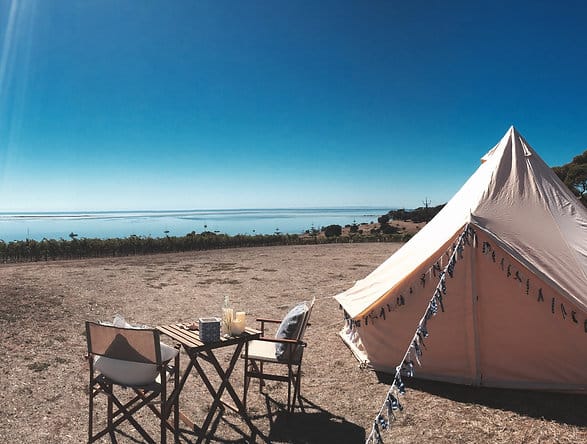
point(436, 304)
point(524, 279)
point(435, 271)
point(527, 284)
point(391, 404)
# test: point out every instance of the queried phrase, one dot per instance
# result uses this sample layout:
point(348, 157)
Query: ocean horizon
point(16, 226)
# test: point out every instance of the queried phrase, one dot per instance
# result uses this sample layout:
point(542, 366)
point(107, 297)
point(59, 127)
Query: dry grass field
point(43, 395)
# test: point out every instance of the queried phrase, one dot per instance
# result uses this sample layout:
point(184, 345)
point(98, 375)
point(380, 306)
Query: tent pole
point(475, 305)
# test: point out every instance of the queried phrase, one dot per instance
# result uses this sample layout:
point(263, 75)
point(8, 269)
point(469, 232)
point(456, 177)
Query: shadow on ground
point(561, 407)
point(307, 425)
point(313, 424)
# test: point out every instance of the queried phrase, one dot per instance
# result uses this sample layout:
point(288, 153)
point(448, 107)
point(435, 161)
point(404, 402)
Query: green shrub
point(333, 231)
point(384, 219)
point(388, 229)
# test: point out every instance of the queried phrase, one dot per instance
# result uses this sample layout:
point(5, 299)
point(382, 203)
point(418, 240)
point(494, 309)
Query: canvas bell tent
point(511, 304)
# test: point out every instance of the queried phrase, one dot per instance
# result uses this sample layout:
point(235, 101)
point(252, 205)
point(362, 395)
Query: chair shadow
point(188, 435)
point(312, 424)
point(560, 407)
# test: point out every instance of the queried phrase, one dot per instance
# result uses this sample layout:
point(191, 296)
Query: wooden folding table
point(204, 351)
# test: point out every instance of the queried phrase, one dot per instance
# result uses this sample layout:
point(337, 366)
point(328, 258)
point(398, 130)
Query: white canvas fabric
point(494, 331)
point(264, 350)
point(131, 373)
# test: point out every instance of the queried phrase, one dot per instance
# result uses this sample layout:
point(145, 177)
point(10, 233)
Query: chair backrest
point(298, 351)
point(306, 320)
point(128, 344)
point(293, 326)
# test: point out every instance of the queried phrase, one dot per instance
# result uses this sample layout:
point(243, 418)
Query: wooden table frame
point(198, 350)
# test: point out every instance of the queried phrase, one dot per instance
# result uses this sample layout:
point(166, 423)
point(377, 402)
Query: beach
point(43, 307)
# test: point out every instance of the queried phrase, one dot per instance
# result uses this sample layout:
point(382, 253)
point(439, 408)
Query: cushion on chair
point(131, 373)
point(120, 322)
point(290, 329)
point(262, 350)
point(127, 373)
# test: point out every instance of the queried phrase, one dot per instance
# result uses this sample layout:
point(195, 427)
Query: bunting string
point(414, 351)
point(527, 284)
point(440, 270)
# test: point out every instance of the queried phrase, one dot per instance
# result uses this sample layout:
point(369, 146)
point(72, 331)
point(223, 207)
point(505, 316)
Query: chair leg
point(163, 398)
point(258, 369)
point(289, 383)
point(176, 405)
point(110, 408)
point(261, 380)
point(127, 414)
point(91, 410)
point(297, 387)
point(246, 383)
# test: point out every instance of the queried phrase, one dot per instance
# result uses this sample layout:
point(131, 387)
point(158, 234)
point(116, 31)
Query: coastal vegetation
point(332, 231)
point(387, 229)
point(574, 175)
point(80, 248)
point(418, 215)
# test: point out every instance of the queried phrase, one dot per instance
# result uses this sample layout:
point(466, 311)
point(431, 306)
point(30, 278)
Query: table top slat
point(198, 350)
point(181, 335)
point(191, 338)
point(191, 335)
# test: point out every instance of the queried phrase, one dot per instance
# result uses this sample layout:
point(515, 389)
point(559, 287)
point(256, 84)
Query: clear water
point(177, 223)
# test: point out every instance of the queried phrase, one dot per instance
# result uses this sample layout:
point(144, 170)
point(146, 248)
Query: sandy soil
point(43, 306)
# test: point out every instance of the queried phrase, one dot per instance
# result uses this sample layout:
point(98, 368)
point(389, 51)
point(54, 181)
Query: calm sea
point(177, 223)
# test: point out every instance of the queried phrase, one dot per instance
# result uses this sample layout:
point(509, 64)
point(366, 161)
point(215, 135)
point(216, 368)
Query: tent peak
point(513, 132)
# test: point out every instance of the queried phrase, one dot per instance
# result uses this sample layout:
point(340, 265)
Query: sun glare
point(15, 58)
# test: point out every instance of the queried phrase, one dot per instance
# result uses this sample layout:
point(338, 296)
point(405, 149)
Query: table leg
point(175, 395)
point(216, 394)
point(225, 385)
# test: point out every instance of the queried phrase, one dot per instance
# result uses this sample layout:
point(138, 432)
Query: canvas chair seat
point(280, 358)
point(265, 350)
point(130, 373)
point(131, 358)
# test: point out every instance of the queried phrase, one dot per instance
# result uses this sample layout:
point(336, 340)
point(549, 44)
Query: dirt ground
point(43, 394)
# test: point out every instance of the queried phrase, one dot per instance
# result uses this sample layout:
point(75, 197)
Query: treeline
point(574, 175)
point(51, 249)
point(417, 215)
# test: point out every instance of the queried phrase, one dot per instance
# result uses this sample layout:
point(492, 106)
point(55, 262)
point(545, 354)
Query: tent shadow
point(560, 407)
point(314, 425)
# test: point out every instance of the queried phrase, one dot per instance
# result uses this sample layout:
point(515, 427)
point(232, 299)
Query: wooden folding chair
point(132, 358)
point(279, 358)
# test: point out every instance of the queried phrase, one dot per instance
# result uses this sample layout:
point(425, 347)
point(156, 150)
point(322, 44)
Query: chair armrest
point(264, 321)
point(274, 321)
point(283, 341)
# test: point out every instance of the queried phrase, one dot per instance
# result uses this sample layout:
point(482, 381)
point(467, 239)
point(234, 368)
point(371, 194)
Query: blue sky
point(114, 104)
